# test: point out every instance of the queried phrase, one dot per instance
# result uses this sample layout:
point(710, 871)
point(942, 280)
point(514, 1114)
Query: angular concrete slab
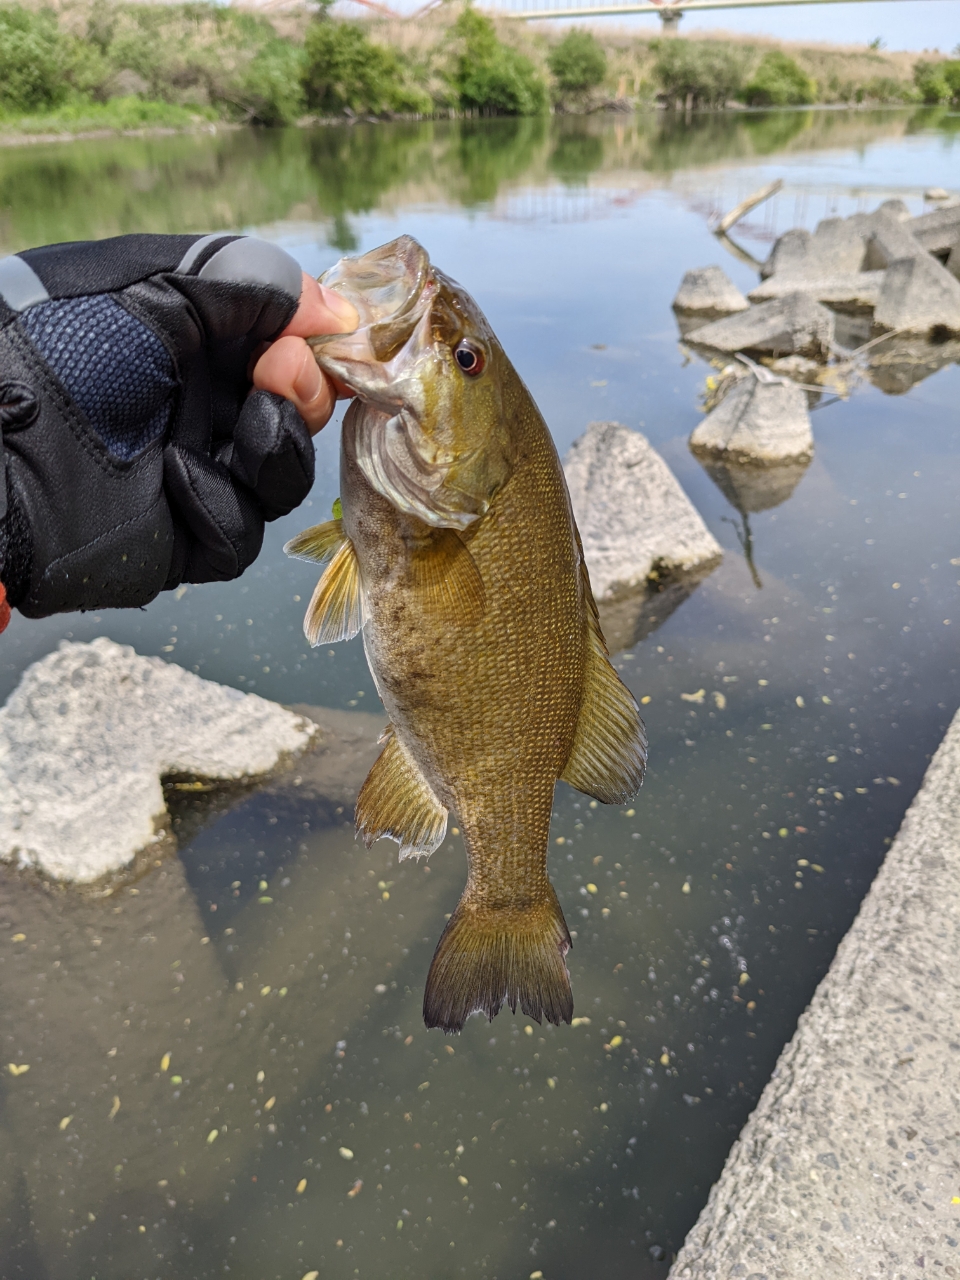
point(709, 292)
point(86, 737)
point(757, 422)
point(889, 242)
point(919, 295)
point(793, 325)
point(854, 292)
point(848, 1168)
point(937, 231)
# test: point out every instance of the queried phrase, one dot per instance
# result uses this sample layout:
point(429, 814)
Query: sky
point(902, 24)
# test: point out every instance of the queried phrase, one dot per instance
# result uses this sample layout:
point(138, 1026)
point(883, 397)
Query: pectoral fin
point(447, 579)
point(609, 752)
point(397, 801)
point(318, 544)
point(335, 611)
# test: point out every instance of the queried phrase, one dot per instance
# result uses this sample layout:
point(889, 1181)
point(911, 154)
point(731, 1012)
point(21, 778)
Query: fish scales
point(458, 555)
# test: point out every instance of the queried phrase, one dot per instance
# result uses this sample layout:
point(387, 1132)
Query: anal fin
point(609, 753)
point(397, 801)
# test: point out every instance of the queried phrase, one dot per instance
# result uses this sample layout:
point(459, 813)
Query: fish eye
point(470, 358)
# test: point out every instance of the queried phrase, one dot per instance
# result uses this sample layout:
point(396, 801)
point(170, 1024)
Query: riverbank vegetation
point(96, 64)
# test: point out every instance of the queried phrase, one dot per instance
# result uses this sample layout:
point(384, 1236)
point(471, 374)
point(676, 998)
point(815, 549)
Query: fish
point(454, 549)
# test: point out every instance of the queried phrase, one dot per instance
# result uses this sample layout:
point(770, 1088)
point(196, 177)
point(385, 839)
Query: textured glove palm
point(135, 456)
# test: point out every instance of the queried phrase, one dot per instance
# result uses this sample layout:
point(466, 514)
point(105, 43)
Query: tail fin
point(487, 958)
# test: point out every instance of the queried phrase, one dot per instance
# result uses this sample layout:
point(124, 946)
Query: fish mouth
point(385, 362)
point(391, 288)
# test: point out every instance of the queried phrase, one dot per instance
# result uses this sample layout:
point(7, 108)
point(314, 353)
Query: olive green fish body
point(458, 555)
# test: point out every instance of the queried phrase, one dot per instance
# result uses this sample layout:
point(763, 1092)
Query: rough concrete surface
point(793, 325)
point(632, 514)
point(88, 733)
point(889, 242)
point(919, 295)
point(848, 1168)
point(709, 292)
point(845, 291)
point(937, 231)
point(790, 253)
point(757, 422)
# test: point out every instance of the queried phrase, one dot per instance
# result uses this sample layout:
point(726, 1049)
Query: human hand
point(146, 438)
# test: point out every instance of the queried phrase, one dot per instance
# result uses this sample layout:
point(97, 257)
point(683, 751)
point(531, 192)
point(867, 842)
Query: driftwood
point(730, 219)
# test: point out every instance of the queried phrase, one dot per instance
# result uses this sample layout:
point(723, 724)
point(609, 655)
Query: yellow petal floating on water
point(16, 1070)
point(664, 1059)
point(719, 700)
point(265, 991)
point(552, 1082)
point(694, 697)
point(425, 1085)
point(313, 1275)
point(268, 1105)
point(744, 979)
point(616, 1042)
point(301, 1186)
point(346, 1153)
point(115, 1108)
point(462, 1180)
point(165, 1062)
point(19, 937)
point(592, 888)
point(64, 1122)
point(580, 1022)
point(212, 1135)
point(259, 1077)
point(355, 1189)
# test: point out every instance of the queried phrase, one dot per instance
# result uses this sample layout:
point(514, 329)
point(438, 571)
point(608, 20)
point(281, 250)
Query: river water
point(228, 1070)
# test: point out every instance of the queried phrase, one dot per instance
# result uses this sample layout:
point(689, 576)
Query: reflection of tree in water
point(750, 488)
point(770, 131)
point(577, 151)
point(493, 151)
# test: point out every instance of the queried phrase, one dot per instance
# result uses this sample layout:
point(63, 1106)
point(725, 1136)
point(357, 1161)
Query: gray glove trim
point(249, 261)
point(20, 286)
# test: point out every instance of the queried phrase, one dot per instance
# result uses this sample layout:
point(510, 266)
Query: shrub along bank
point(95, 64)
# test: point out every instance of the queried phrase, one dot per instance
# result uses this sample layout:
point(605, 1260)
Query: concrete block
point(847, 1167)
point(837, 248)
point(793, 325)
point(86, 737)
point(634, 518)
point(889, 241)
point(790, 254)
point(937, 231)
point(757, 422)
point(708, 291)
point(918, 295)
point(854, 292)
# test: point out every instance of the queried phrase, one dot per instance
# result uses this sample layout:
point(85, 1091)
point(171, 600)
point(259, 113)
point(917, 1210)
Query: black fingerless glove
point(135, 457)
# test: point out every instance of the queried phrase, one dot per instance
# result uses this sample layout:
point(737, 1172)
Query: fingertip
point(321, 310)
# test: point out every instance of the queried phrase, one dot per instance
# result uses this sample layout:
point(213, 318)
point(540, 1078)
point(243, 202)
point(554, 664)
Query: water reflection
point(789, 728)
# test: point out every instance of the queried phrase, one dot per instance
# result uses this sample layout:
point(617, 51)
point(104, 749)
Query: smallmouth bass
point(457, 554)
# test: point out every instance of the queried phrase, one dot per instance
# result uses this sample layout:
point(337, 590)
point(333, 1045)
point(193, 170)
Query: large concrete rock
point(837, 246)
point(938, 231)
point(709, 292)
point(855, 292)
point(918, 295)
point(889, 241)
point(792, 325)
point(639, 529)
point(86, 737)
point(847, 1168)
point(757, 422)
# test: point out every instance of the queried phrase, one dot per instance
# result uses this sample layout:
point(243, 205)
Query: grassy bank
point(90, 65)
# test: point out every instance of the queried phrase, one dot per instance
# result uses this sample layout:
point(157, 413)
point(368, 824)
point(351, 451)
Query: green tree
point(489, 76)
point(930, 82)
point(344, 71)
point(33, 58)
point(704, 72)
point(779, 82)
point(272, 87)
point(577, 63)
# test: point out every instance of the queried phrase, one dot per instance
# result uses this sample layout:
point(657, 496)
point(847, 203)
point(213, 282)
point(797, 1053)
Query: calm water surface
point(304, 1120)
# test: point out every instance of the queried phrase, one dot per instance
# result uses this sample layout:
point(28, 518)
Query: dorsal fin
point(609, 753)
point(447, 579)
point(335, 611)
point(397, 801)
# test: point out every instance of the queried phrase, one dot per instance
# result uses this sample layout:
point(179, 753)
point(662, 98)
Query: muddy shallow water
point(228, 1070)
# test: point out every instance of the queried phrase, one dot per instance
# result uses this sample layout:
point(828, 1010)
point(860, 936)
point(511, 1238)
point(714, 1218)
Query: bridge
point(670, 11)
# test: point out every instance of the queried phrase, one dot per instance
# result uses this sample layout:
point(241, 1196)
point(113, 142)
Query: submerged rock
point(645, 544)
point(709, 292)
point(86, 737)
point(758, 422)
point(793, 325)
point(918, 296)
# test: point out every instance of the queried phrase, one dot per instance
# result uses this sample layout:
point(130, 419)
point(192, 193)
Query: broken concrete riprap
point(795, 324)
point(644, 542)
point(709, 293)
point(759, 422)
point(89, 732)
